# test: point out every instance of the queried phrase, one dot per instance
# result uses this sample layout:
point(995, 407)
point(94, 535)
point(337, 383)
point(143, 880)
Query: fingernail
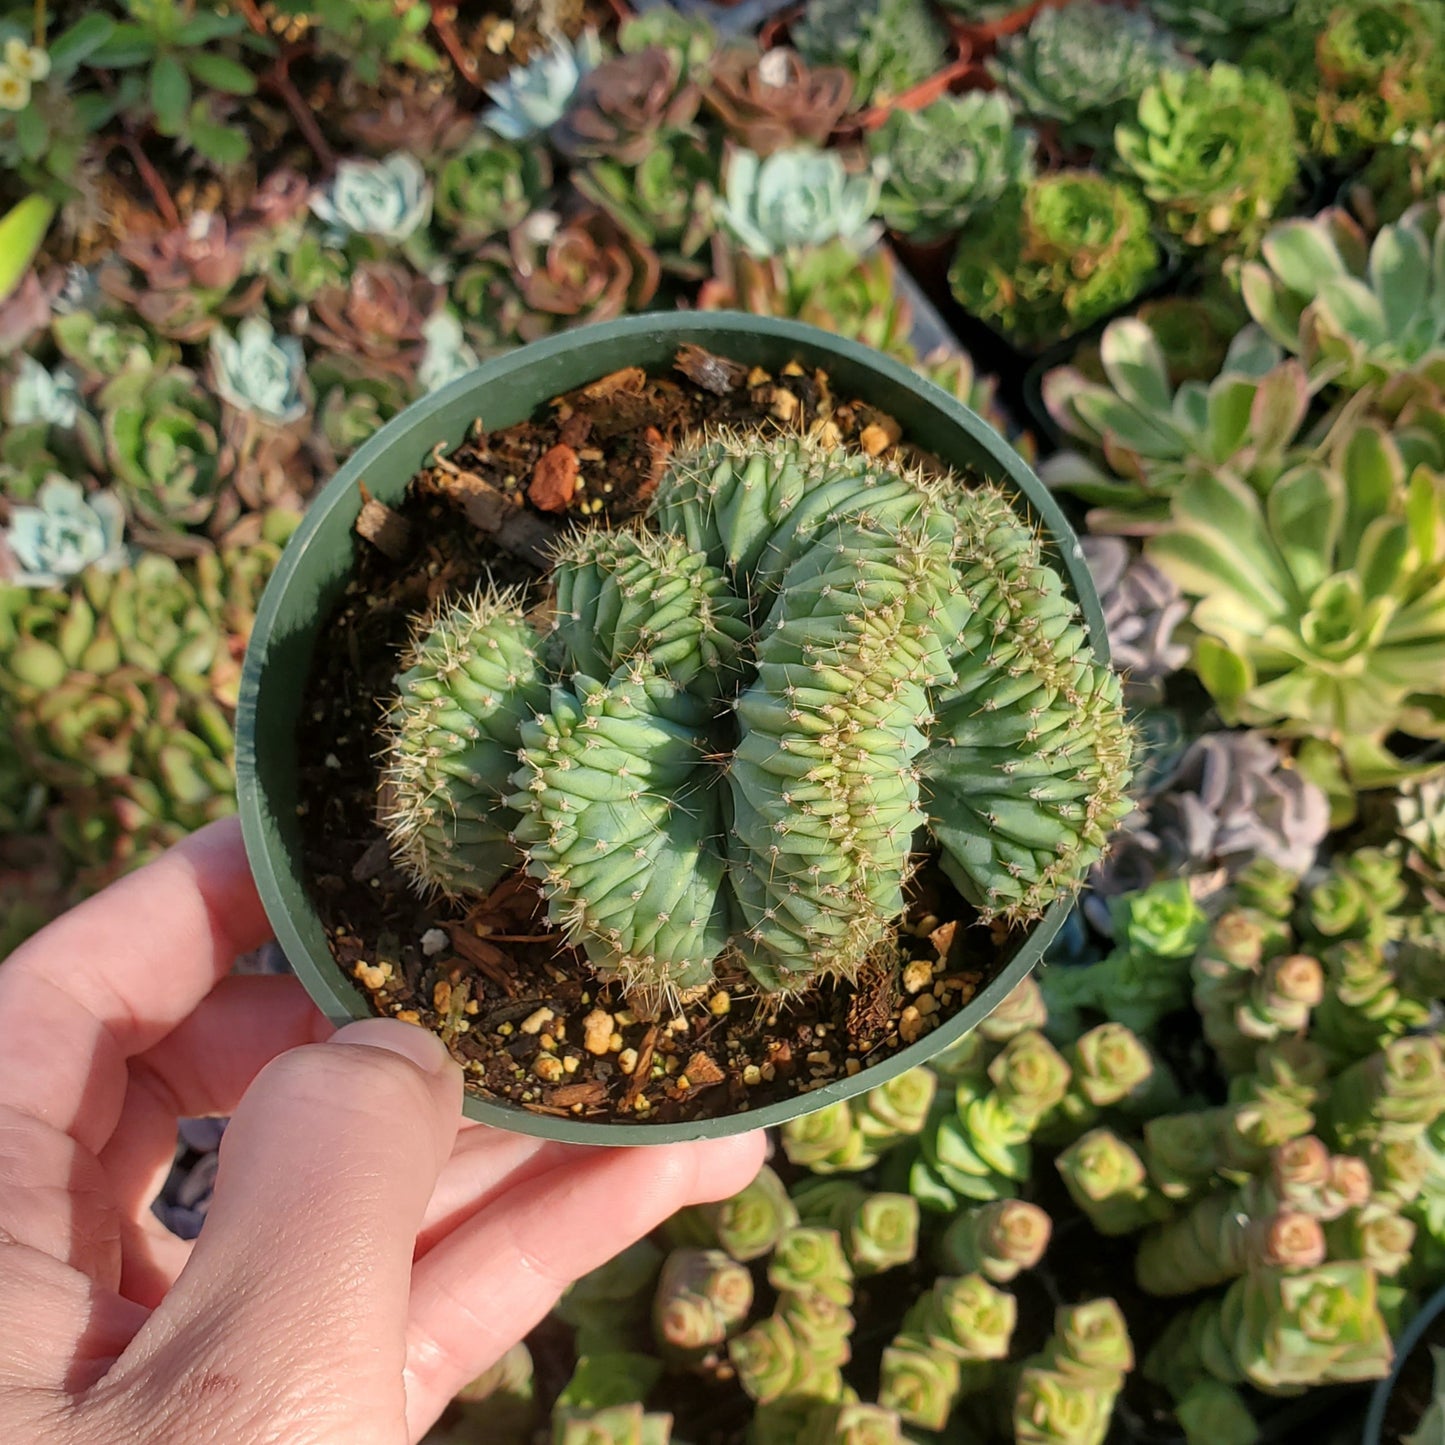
point(420, 1045)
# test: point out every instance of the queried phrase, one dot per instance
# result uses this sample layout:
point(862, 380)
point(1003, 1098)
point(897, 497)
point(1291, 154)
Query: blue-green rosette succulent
point(747, 717)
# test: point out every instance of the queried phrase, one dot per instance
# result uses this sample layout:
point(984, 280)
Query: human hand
point(364, 1257)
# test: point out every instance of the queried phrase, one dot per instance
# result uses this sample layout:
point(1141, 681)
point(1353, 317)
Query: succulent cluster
point(943, 164)
point(1069, 248)
point(838, 628)
point(887, 46)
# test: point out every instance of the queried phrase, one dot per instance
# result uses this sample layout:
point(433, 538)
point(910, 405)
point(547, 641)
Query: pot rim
point(339, 997)
point(1428, 1313)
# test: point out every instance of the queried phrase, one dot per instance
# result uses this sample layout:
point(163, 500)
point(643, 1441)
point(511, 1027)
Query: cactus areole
point(722, 740)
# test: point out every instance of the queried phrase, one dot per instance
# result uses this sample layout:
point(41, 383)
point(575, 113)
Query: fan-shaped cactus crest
point(748, 717)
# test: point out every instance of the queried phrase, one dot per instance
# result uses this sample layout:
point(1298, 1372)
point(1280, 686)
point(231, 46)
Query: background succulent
point(1214, 152)
point(1073, 247)
point(943, 163)
point(1143, 610)
point(488, 186)
point(388, 199)
point(625, 107)
point(533, 97)
point(887, 46)
point(796, 197)
point(257, 371)
point(1083, 66)
point(65, 532)
point(772, 100)
point(1220, 29)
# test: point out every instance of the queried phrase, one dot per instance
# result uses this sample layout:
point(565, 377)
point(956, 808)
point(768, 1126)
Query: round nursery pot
point(318, 561)
point(1406, 1346)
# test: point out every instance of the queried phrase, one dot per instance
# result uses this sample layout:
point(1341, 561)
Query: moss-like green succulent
point(489, 186)
point(1083, 66)
point(1214, 151)
point(943, 163)
point(1071, 248)
point(887, 46)
point(841, 630)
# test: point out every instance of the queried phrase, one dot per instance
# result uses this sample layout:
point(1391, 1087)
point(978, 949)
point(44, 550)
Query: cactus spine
point(744, 717)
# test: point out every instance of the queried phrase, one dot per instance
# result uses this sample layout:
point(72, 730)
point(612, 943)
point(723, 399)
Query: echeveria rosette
point(1215, 153)
point(389, 200)
point(998, 1240)
point(941, 164)
point(1071, 247)
point(625, 107)
point(352, 403)
point(771, 100)
point(379, 315)
point(533, 97)
point(37, 396)
point(1219, 29)
point(1107, 1179)
point(64, 533)
point(1357, 312)
point(796, 198)
point(258, 372)
point(691, 40)
point(163, 446)
point(887, 46)
point(1145, 440)
point(1319, 608)
point(489, 185)
point(1083, 66)
point(1360, 72)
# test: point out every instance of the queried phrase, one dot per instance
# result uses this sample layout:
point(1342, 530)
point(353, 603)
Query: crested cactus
point(873, 650)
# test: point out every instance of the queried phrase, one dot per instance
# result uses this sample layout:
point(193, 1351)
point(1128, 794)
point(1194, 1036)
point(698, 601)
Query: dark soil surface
point(519, 1009)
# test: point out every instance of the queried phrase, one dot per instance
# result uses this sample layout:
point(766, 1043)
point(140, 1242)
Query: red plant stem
point(165, 203)
point(442, 18)
point(278, 81)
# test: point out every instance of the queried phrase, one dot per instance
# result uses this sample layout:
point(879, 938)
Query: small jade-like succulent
point(1214, 152)
point(387, 199)
point(795, 198)
point(1356, 312)
point(64, 533)
point(1147, 441)
point(657, 663)
point(1041, 265)
point(489, 186)
point(534, 96)
point(1359, 72)
point(943, 163)
point(772, 100)
point(257, 371)
point(1083, 66)
point(1321, 610)
point(625, 107)
point(887, 46)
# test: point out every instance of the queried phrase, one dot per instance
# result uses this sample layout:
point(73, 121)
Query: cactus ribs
point(587, 1031)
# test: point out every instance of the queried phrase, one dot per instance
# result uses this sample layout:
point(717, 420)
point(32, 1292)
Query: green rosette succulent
point(667, 201)
point(1052, 1407)
point(852, 1425)
point(1359, 71)
point(102, 345)
point(162, 443)
point(656, 664)
point(883, 1233)
point(809, 1259)
point(1107, 1179)
point(998, 1240)
point(1083, 66)
point(918, 1384)
point(1402, 174)
point(943, 163)
point(353, 402)
point(1070, 248)
point(489, 185)
point(1219, 29)
point(627, 1424)
point(820, 1325)
point(750, 1224)
point(1392, 1095)
point(887, 46)
point(1318, 610)
point(1357, 312)
point(703, 1296)
point(766, 1360)
point(1144, 440)
point(1214, 152)
point(852, 1136)
point(826, 1141)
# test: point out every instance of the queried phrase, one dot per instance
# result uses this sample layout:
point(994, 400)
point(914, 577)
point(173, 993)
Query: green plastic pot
point(1405, 1346)
point(317, 562)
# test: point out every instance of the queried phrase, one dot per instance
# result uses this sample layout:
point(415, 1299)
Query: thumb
point(299, 1283)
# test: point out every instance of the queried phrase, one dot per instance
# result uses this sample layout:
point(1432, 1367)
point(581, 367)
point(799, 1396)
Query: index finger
point(114, 976)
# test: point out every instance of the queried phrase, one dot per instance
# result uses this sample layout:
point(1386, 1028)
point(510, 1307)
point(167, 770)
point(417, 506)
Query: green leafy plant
point(1214, 152)
point(185, 59)
point(887, 46)
point(1318, 610)
point(1083, 66)
point(1357, 312)
point(943, 163)
point(809, 901)
point(369, 34)
point(1071, 248)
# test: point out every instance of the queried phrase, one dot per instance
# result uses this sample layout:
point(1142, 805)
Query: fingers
point(115, 975)
point(482, 1288)
point(298, 1285)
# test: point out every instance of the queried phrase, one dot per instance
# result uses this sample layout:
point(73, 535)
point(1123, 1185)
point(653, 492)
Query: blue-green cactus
point(744, 718)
